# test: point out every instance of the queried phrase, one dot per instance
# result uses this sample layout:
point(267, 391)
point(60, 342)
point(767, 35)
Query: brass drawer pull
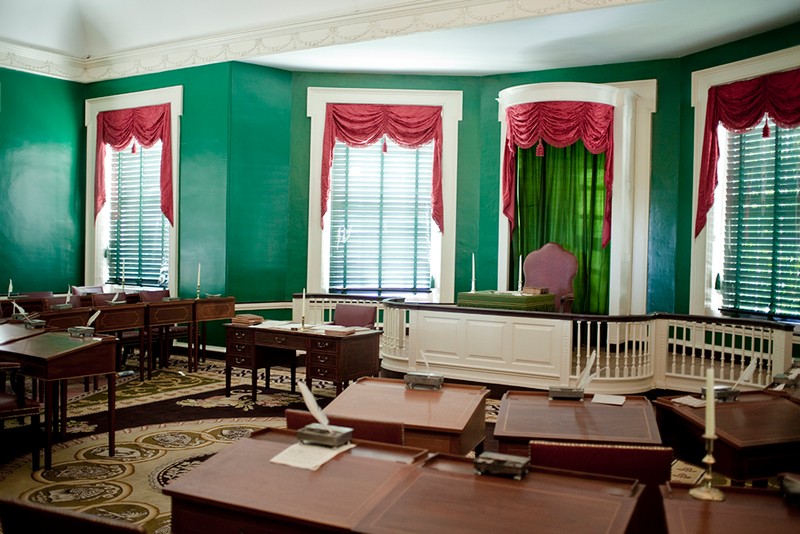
point(323, 344)
point(280, 339)
point(322, 372)
point(239, 335)
point(321, 358)
point(239, 348)
point(240, 360)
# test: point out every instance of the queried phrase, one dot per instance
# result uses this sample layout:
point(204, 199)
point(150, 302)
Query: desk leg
point(111, 379)
point(62, 419)
point(142, 355)
point(48, 386)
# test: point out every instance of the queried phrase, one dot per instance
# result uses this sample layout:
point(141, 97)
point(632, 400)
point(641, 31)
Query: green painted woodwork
point(41, 182)
point(243, 192)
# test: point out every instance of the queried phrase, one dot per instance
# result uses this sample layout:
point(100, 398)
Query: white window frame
point(319, 238)
point(94, 258)
point(634, 103)
point(702, 299)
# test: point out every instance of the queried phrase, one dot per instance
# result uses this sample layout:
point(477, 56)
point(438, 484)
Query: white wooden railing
point(538, 350)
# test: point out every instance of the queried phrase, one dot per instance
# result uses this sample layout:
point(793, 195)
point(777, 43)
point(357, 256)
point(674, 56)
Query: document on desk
point(310, 457)
point(616, 400)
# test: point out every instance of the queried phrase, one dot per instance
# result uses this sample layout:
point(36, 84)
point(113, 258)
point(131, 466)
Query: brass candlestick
point(704, 491)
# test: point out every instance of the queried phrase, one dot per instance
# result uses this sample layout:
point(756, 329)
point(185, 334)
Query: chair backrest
point(651, 465)
point(38, 294)
point(382, 431)
point(74, 300)
point(153, 296)
point(17, 516)
point(86, 290)
point(102, 299)
point(355, 315)
point(552, 267)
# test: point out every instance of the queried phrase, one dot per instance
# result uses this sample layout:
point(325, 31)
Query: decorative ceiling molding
point(395, 21)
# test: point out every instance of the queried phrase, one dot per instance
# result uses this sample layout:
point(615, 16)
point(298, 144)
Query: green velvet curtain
point(560, 199)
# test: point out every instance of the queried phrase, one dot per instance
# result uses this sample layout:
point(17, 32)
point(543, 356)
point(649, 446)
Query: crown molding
point(404, 19)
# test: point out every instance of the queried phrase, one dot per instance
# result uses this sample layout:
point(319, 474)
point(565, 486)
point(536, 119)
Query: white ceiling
point(99, 39)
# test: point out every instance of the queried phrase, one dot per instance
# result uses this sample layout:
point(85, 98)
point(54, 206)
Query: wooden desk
point(239, 490)
point(385, 488)
point(10, 332)
point(118, 318)
point(209, 309)
point(524, 416)
point(758, 435)
point(744, 511)
point(335, 358)
point(446, 496)
point(63, 319)
point(451, 419)
point(54, 357)
point(163, 314)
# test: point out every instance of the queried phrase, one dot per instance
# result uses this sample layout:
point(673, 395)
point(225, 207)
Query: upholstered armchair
point(552, 267)
point(355, 315)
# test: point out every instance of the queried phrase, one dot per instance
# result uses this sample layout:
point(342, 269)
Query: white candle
point(303, 312)
point(10, 287)
point(519, 281)
point(473, 272)
point(710, 405)
point(198, 275)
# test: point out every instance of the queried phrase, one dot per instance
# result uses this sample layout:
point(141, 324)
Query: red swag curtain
point(740, 106)
point(147, 125)
point(559, 124)
point(359, 125)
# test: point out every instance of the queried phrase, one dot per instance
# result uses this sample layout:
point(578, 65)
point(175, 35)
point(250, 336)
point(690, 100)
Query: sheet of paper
point(688, 400)
point(310, 457)
point(601, 398)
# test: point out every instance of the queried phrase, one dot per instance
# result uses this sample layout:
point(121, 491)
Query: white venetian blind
point(761, 272)
point(139, 232)
point(380, 212)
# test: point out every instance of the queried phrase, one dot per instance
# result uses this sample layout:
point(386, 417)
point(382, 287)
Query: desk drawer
point(240, 349)
point(321, 359)
point(276, 339)
point(323, 373)
point(240, 335)
point(324, 345)
point(236, 360)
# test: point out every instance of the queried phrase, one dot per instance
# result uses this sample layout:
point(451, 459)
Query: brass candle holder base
point(706, 492)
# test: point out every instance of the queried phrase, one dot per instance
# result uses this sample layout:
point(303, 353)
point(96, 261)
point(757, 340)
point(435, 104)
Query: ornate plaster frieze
point(401, 19)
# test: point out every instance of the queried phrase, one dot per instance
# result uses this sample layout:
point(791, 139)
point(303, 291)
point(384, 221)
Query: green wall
point(243, 188)
point(41, 182)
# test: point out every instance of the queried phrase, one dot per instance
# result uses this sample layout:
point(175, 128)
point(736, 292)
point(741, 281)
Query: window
point(759, 241)
point(380, 238)
point(130, 232)
point(708, 247)
point(138, 232)
point(441, 277)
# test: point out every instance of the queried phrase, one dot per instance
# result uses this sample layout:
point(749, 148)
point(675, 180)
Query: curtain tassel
point(133, 148)
point(540, 149)
point(384, 148)
point(765, 131)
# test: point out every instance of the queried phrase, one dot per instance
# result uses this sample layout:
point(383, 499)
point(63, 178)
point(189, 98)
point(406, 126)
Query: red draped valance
point(740, 106)
point(559, 124)
point(145, 124)
point(360, 125)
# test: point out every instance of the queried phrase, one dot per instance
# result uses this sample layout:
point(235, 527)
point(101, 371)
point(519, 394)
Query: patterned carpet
point(165, 426)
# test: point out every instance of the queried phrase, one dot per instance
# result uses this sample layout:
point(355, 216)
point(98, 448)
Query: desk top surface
point(532, 415)
point(756, 419)
point(50, 345)
point(448, 409)
point(10, 332)
point(744, 511)
point(293, 329)
point(384, 488)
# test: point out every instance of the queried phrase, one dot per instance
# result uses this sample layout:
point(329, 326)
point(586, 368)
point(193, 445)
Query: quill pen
point(92, 318)
point(586, 375)
point(311, 404)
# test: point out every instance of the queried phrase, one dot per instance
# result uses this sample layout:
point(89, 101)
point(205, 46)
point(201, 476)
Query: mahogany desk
point(209, 309)
point(116, 319)
point(54, 357)
point(163, 314)
point(386, 488)
point(335, 358)
point(240, 490)
point(525, 415)
point(744, 511)
point(63, 319)
point(758, 436)
point(451, 419)
point(10, 332)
